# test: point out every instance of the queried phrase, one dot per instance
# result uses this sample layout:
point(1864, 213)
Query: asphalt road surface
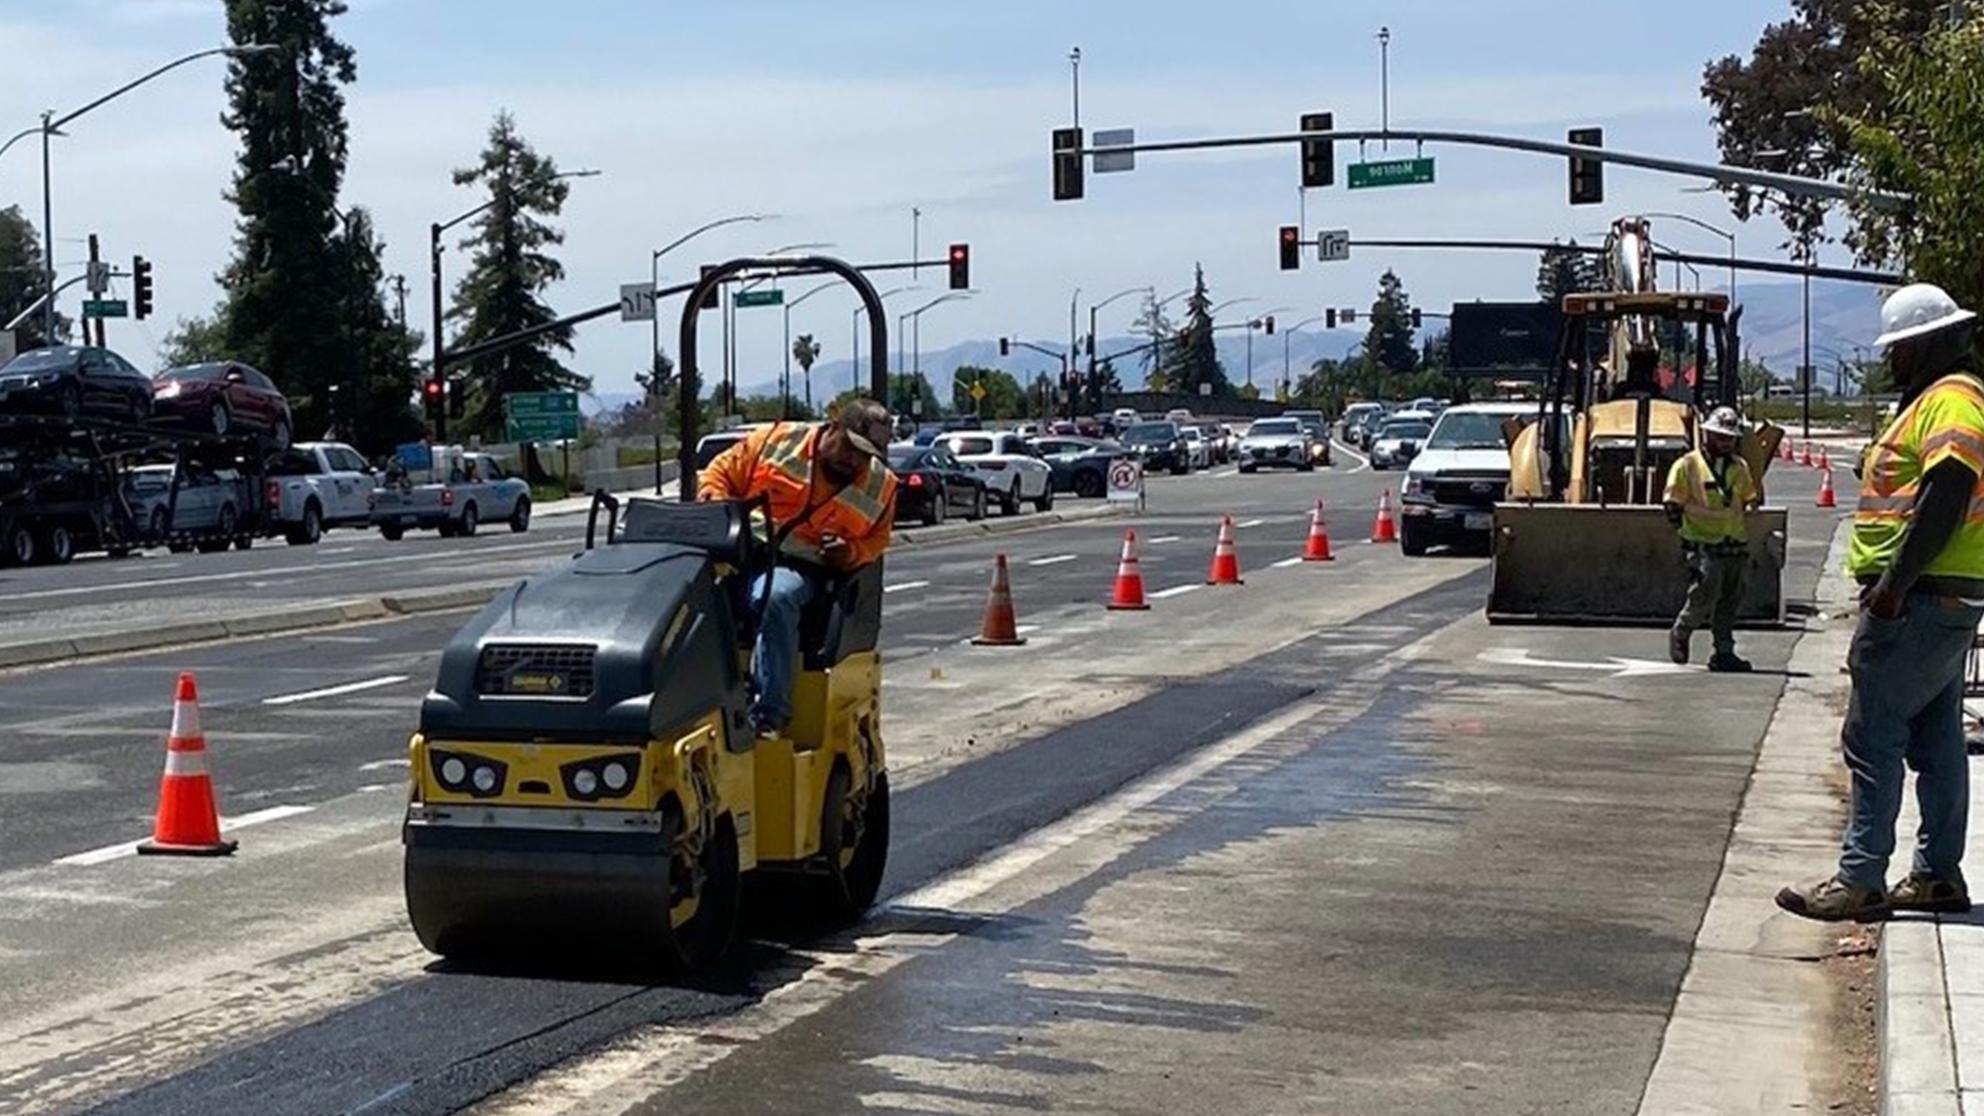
point(1326, 841)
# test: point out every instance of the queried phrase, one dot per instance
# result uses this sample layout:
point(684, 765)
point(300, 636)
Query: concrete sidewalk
point(1932, 995)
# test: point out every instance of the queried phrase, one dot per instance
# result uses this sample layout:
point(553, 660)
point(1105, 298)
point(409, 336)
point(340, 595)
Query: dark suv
point(1161, 445)
point(223, 398)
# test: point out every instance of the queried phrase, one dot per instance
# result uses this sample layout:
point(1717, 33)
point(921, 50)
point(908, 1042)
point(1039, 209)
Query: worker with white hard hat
point(1709, 493)
point(1918, 554)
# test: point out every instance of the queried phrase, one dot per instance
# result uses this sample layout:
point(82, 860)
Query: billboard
point(1504, 340)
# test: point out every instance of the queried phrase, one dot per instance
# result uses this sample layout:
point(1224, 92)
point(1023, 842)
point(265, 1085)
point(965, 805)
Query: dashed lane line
point(127, 848)
point(1287, 562)
point(902, 586)
point(336, 691)
point(1053, 560)
point(1175, 591)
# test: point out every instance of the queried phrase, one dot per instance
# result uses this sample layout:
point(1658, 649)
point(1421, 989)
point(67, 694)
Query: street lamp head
point(256, 48)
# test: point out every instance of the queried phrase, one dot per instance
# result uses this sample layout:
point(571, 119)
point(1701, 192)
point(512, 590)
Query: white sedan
point(1012, 471)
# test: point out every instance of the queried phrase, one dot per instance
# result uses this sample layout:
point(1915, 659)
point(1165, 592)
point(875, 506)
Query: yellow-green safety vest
point(1711, 511)
point(1946, 421)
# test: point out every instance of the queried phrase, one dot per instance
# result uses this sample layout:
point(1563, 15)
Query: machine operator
point(830, 484)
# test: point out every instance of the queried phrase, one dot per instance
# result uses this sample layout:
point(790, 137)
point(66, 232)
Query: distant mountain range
point(1843, 315)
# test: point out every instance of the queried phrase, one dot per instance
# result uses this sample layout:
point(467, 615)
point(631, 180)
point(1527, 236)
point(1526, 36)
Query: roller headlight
point(601, 778)
point(485, 779)
point(585, 782)
point(453, 771)
point(616, 776)
point(463, 773)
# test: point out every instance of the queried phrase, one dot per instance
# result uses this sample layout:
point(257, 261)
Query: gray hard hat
point(1724, 420)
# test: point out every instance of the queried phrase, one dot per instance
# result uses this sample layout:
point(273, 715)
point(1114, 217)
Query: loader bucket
point(1587, 564)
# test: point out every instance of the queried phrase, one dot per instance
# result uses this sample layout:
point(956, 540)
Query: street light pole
point(785, 403)
point(1706, 227)
point(654, 268)
point(1095, 396)
point(51, 125)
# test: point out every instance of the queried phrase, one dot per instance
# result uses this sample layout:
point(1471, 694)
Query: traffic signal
point(431, 391)
point(1067, 164)
point(710, 299)
point(1318, 156)
point(141, 284)
point(960, 267)
point(1329, 317)
point(1587, 175)
point(1415, 317)
point(1270, 325)
point(1005, 347)
point(457, 392)
point(1291, 248)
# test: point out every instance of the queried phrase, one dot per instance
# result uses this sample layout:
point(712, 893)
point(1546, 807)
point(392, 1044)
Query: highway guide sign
point(537, 416)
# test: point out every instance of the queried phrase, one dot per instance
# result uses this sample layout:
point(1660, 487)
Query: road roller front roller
point(584, 766)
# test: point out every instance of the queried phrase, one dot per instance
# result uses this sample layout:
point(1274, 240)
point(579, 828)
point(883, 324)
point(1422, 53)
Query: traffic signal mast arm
point(1775, 267)
point(1794, 185)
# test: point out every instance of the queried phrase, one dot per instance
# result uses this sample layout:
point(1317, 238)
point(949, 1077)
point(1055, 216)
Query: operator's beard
point(835, 474)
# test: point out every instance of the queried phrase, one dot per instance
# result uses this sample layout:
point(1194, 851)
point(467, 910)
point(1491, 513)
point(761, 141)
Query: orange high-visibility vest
point(777, 463)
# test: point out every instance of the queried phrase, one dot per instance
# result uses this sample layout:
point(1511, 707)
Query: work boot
point(1834, 900)
point(1726, 662)
point(1677, 645)
point(1937, 895)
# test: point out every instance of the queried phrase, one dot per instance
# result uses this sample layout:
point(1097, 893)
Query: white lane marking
point(287, 571)
point(381, 765)
point(1022, 629)
point(1053, 560)
point(1363, 462)
point(1163, 539)
point(334, 691)
point(109, 853)
point(371, 788)
point(338, 550)
point(1222, 473)
point(902, 585)
point(1287, 562)
point(1250, 523)
point(1175, 591)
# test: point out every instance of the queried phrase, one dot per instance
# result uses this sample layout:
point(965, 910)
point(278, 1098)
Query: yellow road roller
point(584, 767)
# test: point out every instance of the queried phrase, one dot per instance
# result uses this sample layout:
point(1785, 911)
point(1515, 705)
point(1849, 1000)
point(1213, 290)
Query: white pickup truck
point(313, 486)
point(458, 493)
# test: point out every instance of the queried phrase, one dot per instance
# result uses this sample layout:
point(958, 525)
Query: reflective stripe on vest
point(1891, 483)
point(1712, 513)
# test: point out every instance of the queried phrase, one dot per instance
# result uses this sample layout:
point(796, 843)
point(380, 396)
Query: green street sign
point(519, 403)
point(770, 297)
point(106, 308)
point(1391, 172)
point(540, 428)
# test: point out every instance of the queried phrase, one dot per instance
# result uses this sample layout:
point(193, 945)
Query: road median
point(408, 602)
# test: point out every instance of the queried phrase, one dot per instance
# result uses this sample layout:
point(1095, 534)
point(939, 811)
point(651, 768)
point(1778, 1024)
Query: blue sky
point(842, 116)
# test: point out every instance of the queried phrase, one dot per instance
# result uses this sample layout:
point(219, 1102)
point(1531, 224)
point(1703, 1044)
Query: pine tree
point(1196, 360)
point(1155, 324)
point(502, 291)
point(1564, 270)
point(285, 292)
point(1389, 351)
point(375, 410)
point(22, 280)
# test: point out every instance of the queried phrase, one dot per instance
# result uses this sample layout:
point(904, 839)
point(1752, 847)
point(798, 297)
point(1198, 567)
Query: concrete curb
point(1912, 1023)
point(414, 602)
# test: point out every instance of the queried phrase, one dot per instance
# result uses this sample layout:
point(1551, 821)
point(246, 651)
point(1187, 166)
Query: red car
point(226, 397)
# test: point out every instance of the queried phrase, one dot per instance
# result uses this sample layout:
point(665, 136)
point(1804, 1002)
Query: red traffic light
point(432, 390)
point(1291, 248)
point(960, 267)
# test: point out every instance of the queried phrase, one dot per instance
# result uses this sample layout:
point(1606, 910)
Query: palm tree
point(805, 350)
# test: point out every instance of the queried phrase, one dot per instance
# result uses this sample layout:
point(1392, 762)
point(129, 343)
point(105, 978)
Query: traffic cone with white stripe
point(1826, 498)
point(1806, 458)
point(1000, 628)
point(1317, 549)
point(1225, 557)
point(1825, 460)
point(1785, 448)
point(1128, 594)
point(188, 822)
point(1385, 528)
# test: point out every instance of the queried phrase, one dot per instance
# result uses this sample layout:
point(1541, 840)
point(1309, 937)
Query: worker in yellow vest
point(1918, 555)
point(1708, 492)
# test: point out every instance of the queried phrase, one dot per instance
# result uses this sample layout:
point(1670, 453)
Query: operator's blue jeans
point(1907, 705)
point(774, 659)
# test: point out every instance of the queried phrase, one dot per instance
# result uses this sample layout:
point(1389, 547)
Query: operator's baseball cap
point(867, 425)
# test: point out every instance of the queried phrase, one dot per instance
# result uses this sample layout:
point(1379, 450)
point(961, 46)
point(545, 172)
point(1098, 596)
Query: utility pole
point(399, 292)
point(1075, 71)
point(915, 242)
point(1385, 84)
point(437, 373)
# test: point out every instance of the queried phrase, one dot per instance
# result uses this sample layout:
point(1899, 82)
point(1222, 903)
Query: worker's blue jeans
point(1907, 705)
point(774, 659)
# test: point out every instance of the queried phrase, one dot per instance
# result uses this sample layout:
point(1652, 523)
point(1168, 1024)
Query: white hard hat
point(1723, 420)
point(1917, 309)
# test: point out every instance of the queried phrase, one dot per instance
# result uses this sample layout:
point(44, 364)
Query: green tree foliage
point(193, 341)
point(1003, 396)
point(1790, 105)
point(1155, 325)
point(1195, 359)
point(22, 280)
point(1389, 351)
point(502, 292)
point(905, 387)
point(1565, 270)
point(1928, 141)
point(771, 408)
point(806, 351)
point(1101, 383)
point(1040, 398)
point(1754, 378)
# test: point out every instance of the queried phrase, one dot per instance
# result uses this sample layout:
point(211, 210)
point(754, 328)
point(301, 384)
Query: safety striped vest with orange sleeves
point(1711, 508)
point(777, 463)
point(1945, 421)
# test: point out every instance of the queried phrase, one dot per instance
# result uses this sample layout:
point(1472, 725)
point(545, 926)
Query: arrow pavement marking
point(1613, 665)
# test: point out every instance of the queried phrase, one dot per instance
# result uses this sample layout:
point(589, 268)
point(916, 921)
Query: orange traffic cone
point(188, 823)
point(1317, 549)
point(1225, 557)
point(1825, 459)
point(1129, 591)
point(1785, 446)
point(1000, 627)
point(1826, 498)
point(1806, 458)
point(1385, 528)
